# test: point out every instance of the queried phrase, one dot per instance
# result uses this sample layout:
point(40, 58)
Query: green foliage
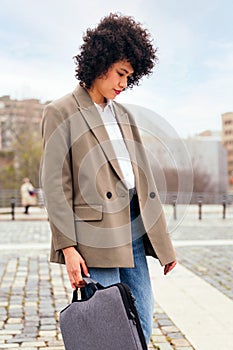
point(9, 155)
point(25, 159)
point(28, 152)
point(8, 177)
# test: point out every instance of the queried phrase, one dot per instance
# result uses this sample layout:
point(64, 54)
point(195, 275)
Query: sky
point(192, 83)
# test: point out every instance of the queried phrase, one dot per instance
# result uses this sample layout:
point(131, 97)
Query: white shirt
point(108, 116)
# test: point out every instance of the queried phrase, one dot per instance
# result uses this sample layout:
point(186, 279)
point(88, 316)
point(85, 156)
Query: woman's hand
point(75, 266)
point(169, 267)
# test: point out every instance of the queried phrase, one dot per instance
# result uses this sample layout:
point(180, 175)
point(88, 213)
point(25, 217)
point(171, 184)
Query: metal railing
point(12, 199)
point(196, 197)
point(166, 198)
point(8, 196)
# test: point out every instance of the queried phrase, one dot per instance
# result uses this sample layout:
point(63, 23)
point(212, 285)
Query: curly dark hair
point(116, 38)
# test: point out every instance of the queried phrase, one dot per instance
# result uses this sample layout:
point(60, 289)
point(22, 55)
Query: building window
point(228, 132)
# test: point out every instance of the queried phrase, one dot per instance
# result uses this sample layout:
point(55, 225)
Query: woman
point(28, 195)
point(104, 209)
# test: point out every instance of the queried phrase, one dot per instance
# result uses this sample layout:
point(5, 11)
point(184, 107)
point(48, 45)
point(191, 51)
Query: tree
point(24, 158)
point(202, 181)
point(7, 170)
point(28, 152)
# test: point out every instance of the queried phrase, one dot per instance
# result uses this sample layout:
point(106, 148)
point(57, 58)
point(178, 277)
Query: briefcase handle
point(87, 291)
point(89, 280)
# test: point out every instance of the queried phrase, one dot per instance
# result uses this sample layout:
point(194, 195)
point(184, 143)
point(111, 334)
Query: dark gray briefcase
point(104, 318)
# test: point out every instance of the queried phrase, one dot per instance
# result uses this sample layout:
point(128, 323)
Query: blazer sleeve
point(56, 176)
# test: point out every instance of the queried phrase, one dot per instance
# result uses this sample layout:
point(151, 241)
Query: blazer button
point(152, 195)
point(109, 195)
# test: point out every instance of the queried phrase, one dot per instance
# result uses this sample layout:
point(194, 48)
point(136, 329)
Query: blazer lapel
point(96, 125)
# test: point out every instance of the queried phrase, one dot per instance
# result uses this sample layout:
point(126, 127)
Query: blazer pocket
point(91, 212)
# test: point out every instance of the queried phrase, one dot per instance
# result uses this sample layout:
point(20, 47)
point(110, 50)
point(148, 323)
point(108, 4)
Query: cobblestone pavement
point(33, 291)
point(213, 263)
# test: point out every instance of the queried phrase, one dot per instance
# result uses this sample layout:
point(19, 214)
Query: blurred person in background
point(28, 195)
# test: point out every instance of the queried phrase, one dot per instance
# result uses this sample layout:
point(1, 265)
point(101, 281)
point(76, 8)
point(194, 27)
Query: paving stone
point(47, 321)
point(9, 331)
point(33, 344)
point(16, 340)
point(48, 327)
point(180, 342)
point(9, 346)
point(3, 304)
point(55, 343)
point(159, 339)
point(59, 337)
point(32, 331)
point(175, 335)
point(170, 329)
point(157, 331)
point(14, 320)
point(15, 313)
point(165, 346)
point(13, 326)
point(161, 315)
point(165, 322)
point(14, 307)
point(3, 314)
point(4, 337)
point(48, 334)
point(31, 304)
point(32, 320)
point(22, 338)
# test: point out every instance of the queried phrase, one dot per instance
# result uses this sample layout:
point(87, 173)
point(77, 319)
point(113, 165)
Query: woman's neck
point(97, 98)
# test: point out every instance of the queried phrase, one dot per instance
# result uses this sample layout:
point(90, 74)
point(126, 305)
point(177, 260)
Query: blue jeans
point(137, 278)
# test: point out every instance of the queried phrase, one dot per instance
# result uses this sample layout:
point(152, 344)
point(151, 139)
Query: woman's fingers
point(169, 267)
point(75, 266)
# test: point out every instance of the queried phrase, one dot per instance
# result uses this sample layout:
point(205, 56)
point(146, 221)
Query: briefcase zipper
point(132, 316)
point(128, 300)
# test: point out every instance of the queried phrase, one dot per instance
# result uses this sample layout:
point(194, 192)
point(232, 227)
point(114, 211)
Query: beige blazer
point(86, 198)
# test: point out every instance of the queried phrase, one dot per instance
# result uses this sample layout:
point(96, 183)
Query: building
point(214, 135)
point(227, 140)
point(178, 164)
point(209, 159)
point(204, 155)
point(16, 115)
